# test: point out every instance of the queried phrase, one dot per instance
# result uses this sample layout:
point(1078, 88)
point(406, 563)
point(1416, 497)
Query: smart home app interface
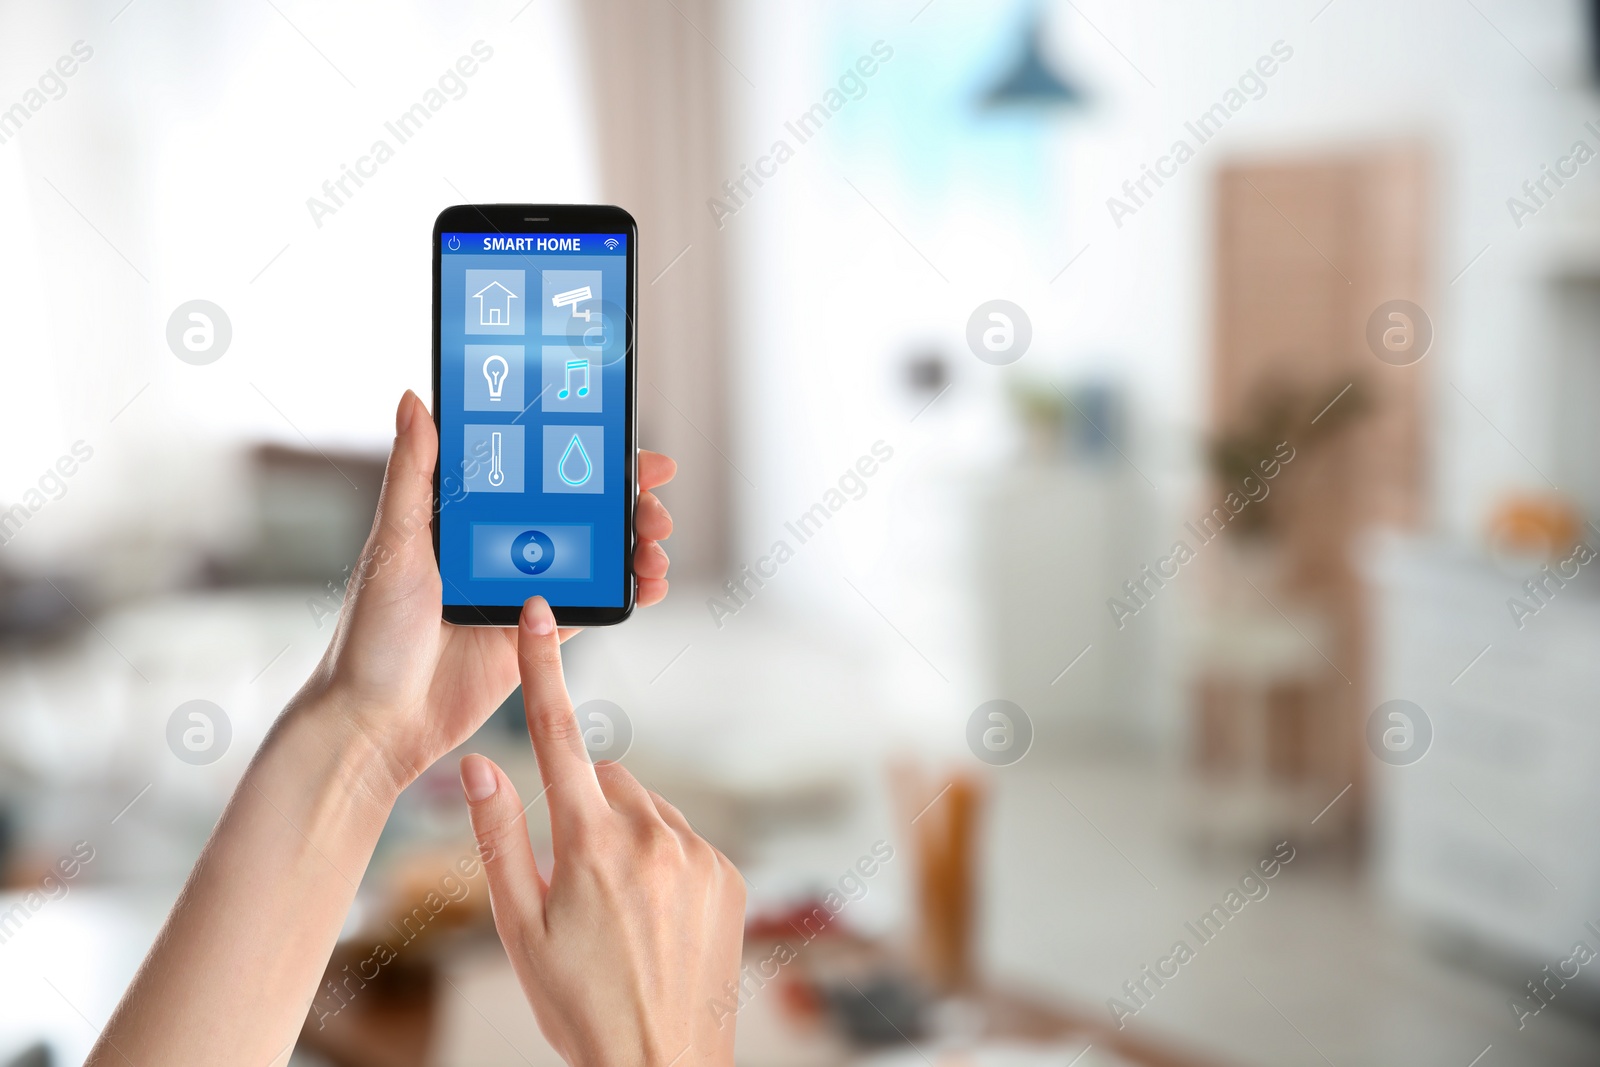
point(533, 420)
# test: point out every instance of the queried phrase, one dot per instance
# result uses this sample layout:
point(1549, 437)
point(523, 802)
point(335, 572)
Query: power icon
point(532, 552)
point(454, 243)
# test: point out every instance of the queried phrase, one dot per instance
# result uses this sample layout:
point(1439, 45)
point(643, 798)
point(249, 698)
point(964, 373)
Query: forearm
point(233, 970)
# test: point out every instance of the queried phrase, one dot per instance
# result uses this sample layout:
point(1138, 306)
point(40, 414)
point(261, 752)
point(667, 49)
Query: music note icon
point(571, 380)
point(575, 365)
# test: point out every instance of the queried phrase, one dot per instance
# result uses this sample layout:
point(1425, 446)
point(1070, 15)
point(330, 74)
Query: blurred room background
point(1342, 346)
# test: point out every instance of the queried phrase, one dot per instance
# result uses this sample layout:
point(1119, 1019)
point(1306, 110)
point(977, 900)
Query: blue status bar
point(540, 243)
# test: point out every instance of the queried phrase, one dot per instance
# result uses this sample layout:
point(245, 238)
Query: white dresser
point(1495, 834)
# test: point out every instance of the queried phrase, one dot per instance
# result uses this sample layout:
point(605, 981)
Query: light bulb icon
point(495, 369)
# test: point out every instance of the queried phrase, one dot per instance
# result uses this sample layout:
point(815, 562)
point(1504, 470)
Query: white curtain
point(657, 86)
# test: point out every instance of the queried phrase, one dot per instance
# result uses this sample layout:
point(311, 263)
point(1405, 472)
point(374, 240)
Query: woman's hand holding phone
point(623, 949)
point(394, 674)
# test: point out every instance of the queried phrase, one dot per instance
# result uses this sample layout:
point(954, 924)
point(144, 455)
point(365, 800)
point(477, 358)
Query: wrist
point(334, 746)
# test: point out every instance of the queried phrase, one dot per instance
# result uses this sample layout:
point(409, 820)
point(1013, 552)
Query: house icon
point(494, 305)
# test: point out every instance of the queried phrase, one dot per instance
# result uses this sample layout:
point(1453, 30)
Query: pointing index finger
point(574, 791)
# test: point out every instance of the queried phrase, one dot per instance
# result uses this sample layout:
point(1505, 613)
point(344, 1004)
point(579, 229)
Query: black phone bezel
point(515, 219)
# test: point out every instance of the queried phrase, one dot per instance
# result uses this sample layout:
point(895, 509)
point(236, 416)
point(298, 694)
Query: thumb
point(500, 824)
point(405, 509)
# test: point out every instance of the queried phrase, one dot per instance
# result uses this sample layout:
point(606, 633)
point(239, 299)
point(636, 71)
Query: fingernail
point(402, 415)
point(478, 779)
point(537, 617)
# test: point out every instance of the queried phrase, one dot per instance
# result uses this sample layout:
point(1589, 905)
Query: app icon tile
point(494, 377)
point(571, 303)
point(571, 379)
point(492, 458)
point(496, 301)
point(574, 459)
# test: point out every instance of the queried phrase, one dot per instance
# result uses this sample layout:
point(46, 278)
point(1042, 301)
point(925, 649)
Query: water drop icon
point(575, 468)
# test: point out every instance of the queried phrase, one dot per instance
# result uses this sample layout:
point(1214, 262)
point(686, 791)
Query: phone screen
point(535, 422)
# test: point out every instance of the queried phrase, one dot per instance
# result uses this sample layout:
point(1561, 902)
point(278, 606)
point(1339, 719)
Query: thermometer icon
point(497, 475)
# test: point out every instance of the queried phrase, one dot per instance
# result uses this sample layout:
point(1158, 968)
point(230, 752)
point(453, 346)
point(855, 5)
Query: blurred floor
point(1072, 860)
point(1066, 908)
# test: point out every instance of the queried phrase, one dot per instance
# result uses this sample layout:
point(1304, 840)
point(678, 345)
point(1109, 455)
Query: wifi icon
point(612, 243)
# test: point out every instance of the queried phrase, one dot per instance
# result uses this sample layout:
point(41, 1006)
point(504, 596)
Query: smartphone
point(534, 399)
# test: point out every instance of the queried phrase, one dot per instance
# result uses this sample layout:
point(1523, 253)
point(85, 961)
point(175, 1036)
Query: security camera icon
point(572, 298)
point(532, 552)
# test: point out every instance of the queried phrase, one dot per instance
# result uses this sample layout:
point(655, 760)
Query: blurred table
point(472, 1014)
point(784, 1024)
